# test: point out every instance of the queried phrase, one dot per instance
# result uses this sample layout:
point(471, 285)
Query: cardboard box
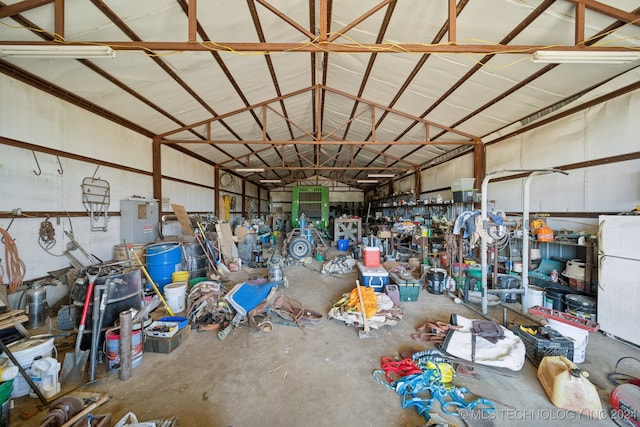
point(167, 345)
point(384, 234)
point(240, 232)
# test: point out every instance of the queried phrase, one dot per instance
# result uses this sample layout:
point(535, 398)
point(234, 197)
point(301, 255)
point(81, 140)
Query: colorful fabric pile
point(425, 378)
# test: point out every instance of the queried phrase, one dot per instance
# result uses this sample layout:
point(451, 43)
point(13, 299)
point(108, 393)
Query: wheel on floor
point(300, 248)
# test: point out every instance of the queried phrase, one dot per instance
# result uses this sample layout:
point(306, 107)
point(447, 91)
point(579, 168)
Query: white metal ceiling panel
point(483, 96)
point(152, 20)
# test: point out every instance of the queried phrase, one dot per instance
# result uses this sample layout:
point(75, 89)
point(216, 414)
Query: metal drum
point(125, 293)
point(195, 261)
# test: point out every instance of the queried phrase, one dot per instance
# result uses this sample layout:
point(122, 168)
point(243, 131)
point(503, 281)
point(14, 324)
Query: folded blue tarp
point(244, 297)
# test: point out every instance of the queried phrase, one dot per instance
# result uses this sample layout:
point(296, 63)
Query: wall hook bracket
point(39, 172)
point(60, 170)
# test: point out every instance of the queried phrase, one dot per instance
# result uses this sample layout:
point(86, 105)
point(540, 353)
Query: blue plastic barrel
point(163, 259)
point(343, 244)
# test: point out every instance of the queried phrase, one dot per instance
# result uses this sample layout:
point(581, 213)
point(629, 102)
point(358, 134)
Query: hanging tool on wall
point(96, 197)
point(227, 207)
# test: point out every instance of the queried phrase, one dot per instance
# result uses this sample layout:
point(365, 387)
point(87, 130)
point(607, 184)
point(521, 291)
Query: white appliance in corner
point(619, 276)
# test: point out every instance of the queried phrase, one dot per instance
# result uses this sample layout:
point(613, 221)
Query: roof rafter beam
point(286, 19)
point(326, 168)
point(58, 20)
point(610, 11)
point(388, 156)
point(358, 20)
point(285, 118)
point(314, 142)
point(318, 138)
point(245, 156)
point(23, 6)
point(349, 121)
point(233, 113)
point(400, 113)
point(190, 11)
point(452, 21)
point(153, 48)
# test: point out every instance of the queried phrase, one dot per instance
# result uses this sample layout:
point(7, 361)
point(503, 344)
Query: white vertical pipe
point(525, 237)
point(483, 241)
point(525, 227)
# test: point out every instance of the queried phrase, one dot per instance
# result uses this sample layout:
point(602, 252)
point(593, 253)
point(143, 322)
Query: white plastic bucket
point(579, 336)
point(176, 294)
point(532, 297)
point(25, 351)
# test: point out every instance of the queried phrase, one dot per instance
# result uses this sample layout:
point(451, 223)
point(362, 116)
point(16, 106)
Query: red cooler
point(371, 256)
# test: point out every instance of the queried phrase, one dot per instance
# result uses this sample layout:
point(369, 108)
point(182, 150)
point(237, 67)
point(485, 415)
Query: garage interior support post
point(244, 199)
point(216, 191)
point(417, 183)
point(479, 161)
point(157, 173)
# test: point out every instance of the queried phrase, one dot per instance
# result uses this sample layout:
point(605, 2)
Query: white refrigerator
point(619, 276)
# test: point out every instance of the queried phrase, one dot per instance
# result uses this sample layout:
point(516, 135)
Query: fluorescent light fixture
point(367, 181)
point(584, 57)
point(57, 51)
point(272, 181)
point(249, 169)
point(380, 175)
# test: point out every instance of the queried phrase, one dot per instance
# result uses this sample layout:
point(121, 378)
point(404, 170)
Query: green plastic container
point(196, 280)
point(475, 272)
point(6, 388)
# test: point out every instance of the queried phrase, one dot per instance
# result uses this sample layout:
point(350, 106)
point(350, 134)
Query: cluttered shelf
point(568, 260)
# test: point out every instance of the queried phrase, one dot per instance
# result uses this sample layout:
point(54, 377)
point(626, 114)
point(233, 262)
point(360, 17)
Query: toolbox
point(162, 329)
point(166, 345)
point(541, 341)
point(374, 277)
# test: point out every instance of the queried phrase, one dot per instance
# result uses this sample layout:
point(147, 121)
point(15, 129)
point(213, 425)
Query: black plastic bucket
point(436, 278)
point(554, 299)
point(581, 306)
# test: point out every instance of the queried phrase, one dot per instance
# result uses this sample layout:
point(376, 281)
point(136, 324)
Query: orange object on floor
point(369, 297)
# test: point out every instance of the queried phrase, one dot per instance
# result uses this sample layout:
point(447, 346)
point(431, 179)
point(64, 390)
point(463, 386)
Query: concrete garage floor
point(323, 377)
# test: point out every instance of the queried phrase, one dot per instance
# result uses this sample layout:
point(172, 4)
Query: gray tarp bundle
point(341, 264)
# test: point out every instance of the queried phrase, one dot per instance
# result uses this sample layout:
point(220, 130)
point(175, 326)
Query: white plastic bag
point(130, 420)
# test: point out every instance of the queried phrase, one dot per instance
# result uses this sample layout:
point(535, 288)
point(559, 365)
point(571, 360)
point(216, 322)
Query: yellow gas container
point(568, 386)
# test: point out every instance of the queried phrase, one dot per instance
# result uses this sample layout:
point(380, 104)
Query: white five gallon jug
point(44, 373)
